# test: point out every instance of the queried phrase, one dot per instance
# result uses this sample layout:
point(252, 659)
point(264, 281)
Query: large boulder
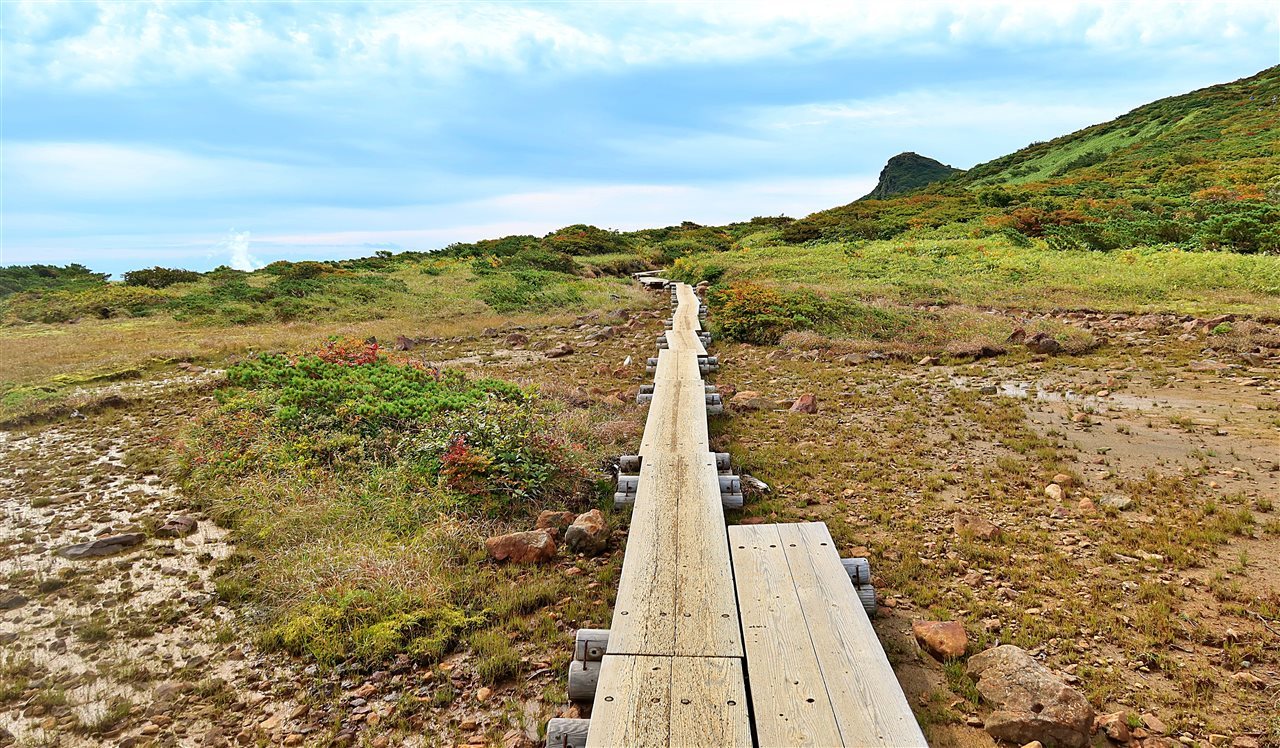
point(588, 534)
point(108, 546)
point(532, 547)
point(1031, 703)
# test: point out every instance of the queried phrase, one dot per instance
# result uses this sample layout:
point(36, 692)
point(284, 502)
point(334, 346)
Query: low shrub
point(103, 302)
point(158, 277)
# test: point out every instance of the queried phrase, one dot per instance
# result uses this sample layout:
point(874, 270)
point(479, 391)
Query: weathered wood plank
point(685, 340)
point(789, 698)
point(633, 703)
point(692, 702)
point(677, 420)
point(643, 620)
point(709, 703)
point(706, 607)
point(869, 705)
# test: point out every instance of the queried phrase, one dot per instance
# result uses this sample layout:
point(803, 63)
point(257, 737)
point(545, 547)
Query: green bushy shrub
point(158, 277)
point(528, 290)
point(103, 302)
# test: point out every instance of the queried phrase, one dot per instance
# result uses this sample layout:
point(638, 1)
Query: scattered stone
point(1116, 501)
point(978, 527)
point(750, 400)
point(1154, 723)
point(12, 600)
point(945, 640)
point(988, 389)
point(1115, 725)
point(1018, 335)
point(483, 694)
point(974, 721)
point(549, 519)
point(534, 546)
point(1062, 479)
point(517, 338)
point(1043, 344)
point(1034, 744)
point(1086, 505)
point(806, 403)
point(177, 527)
point(106, 546)
point(560, 351)
point(1245, 741)
point(588, 534)
point(1031, 702)
point(1248, 679)
point(1055, 492)
point(928, 361)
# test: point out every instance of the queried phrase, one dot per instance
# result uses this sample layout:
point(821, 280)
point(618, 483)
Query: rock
point(177, 527)
point(51, 585)
point(1245, 741)
point(1031, 703)
point(404, 343)
point(1017, 336)
point(534, 546)
point(1034, 744)
point(928, 361)
point(853, 359)
point(12, 600)
point(1086, 505)
point(517, 338)
point(945, 640)
point(1062, 479)
point(1115, 725)
point(1154, 723)
point(1248, 679)
point(1116, 501)
point(806, 403)
point(1055, 492)
point(988, 389)
point(1044, 344)
point(978, 527)
point(483, 694)
point(750, 400)
point(560, 351)
point(107, 546)
point(588, 534)
point(549, 519)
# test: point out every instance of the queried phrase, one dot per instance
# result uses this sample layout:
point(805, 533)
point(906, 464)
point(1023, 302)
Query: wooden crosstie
point(724, 636)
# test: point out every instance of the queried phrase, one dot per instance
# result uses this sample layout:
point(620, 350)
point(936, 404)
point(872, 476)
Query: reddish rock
point(589, 533)
point(517, 338)
point(806, 403)
point(1114, 725)
point(750, 400)
point(945, 640)
point(534, 546)
point(560, 351)
point(176, 527)
point(978, 527)
point(560, 521)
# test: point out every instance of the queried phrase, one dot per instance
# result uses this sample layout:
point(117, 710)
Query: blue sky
point(196, 134)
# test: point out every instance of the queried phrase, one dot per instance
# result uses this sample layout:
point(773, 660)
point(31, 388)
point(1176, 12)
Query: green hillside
point(1199, 171)
point(909, 171)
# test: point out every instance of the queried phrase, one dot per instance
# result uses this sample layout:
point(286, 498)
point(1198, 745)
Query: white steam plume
point(237, 245)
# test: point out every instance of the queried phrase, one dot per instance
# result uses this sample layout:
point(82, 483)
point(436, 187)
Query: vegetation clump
point(358, 484)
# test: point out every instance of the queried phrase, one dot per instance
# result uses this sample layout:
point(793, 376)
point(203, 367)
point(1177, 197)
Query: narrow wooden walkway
point(675, 669)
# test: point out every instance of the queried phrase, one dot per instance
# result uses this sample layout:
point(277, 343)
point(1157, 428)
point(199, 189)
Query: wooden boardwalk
point(677, 669)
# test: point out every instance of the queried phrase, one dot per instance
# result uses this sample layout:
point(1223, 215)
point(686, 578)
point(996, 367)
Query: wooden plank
point(869, 705)
point(677, 420)
point(685, 340)
point(709, 703)
point(692, 702)
point(790, 705)
point(675, 595)
point(643, 613)
point(676, 365)
point(633, 703)
point(706, 606)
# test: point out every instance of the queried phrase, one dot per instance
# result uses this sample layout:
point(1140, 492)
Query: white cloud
point(118, 44)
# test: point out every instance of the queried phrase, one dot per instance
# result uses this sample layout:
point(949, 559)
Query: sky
point(196, 134)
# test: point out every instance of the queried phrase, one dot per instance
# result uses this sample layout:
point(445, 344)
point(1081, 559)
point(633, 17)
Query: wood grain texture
point(789, 698)
point(818, 674)
point(868, 702)
point(690, 702)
